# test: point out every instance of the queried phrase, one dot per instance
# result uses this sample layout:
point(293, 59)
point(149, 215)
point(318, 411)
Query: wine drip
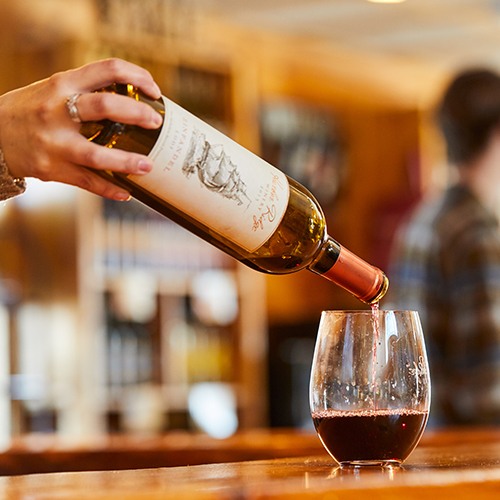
point(375, 308)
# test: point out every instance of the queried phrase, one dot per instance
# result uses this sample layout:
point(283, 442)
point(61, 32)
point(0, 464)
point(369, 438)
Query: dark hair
point(468, 113)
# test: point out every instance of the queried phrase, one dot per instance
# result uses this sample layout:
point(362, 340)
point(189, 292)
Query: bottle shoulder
point(298, 238)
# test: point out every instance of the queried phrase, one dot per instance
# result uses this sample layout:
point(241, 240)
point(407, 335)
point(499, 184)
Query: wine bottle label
point(208, 176)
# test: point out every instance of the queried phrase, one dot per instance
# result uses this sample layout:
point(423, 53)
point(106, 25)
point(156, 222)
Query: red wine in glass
point(378, 436)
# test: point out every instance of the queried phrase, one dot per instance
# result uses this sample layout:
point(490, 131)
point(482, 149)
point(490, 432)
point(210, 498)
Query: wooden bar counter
point(452, 464)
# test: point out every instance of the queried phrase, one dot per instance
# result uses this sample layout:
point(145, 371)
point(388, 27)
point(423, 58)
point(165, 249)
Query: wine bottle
point(233, 199)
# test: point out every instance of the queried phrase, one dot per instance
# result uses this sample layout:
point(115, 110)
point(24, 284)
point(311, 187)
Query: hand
point(39, 139)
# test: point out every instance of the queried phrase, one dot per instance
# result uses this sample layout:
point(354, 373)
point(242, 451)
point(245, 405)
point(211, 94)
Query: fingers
point(100, 186)
point(101, 158)
point(102, 105)
point(103, 73)
point(94, 106)
point(81, 165)
point(90, 181)
point(69, 158)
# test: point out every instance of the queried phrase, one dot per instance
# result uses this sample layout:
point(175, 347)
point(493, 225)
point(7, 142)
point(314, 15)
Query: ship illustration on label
point(214, 169)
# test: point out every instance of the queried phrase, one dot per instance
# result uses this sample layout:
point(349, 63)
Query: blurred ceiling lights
point(442, 34)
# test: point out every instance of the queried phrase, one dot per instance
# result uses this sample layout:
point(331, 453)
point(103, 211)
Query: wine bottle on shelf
point(231, 198)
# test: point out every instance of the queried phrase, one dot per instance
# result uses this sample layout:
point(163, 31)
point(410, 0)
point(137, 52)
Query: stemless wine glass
point(370, 386)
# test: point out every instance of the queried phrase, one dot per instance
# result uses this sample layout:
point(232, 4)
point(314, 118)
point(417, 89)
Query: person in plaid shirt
point(446, 261)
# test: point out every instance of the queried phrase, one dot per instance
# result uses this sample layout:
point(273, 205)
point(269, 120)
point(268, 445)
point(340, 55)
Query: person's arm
point(38, 137)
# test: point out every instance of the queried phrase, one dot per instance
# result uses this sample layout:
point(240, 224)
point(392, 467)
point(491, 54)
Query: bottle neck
point(335, 263)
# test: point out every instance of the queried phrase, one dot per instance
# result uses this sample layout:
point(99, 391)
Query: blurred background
point(115, 320)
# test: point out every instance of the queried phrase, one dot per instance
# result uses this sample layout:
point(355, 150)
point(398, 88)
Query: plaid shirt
point(447, 266)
